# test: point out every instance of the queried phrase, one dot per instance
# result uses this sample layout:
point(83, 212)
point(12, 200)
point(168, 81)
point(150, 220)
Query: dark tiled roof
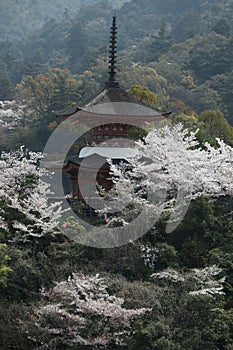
point(92, 161)
point(114, 101)
point(111, 94)
point(66, 111)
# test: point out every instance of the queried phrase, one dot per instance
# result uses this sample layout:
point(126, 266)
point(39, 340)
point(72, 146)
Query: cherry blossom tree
point(197, 282)
point(171, 169)
point(80, 311)
point(11, 113)
point(24, 195)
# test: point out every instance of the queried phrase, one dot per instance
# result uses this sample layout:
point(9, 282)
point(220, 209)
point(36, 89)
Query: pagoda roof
point(93, 156)
point(76, 161)
point(108, 152)
point(92, 161)
point(109, 95)
point(114, 101)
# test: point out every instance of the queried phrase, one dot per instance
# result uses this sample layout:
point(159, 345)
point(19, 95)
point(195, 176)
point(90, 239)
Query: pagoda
point(109, 117)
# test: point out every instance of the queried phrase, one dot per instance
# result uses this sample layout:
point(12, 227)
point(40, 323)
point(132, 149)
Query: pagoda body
point(109, 116)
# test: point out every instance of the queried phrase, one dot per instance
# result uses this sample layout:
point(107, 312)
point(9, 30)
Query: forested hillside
point(20, 18)
point(168, 290)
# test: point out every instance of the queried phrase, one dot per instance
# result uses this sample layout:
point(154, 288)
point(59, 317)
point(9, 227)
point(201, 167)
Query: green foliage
point(4, 268)
point(6, 88)
point(180, 321)
point(214, 49)
point(18, 19)
point(37, 263)
point(223, 84)
point(195, 235)
point(143, 94)
point(76, 46)
point(53, 90)
point(222, 27)
point(160, 43)
point(216, 126)
point(15, 325)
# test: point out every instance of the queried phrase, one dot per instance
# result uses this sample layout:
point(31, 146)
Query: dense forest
point(164, 291)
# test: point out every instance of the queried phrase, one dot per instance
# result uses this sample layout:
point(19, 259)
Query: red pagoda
point(109, 116)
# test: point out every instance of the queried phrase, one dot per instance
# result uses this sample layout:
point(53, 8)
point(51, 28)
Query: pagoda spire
point(112, 56)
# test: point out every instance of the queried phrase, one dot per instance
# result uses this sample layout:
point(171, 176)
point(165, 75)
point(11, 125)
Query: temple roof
point(92, 161)
point(108, 152)
point(108, 95)
point(114, 101)
point(92, 157)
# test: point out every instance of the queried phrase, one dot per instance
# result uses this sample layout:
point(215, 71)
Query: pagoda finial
point(112, 55)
